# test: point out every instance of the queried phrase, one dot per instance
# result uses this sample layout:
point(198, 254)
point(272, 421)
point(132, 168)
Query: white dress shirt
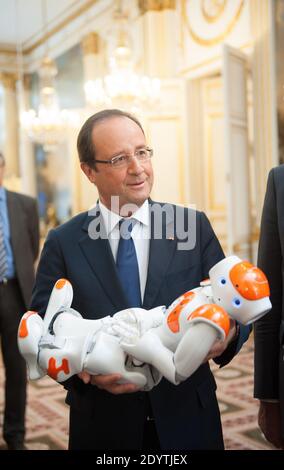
point(141, 234)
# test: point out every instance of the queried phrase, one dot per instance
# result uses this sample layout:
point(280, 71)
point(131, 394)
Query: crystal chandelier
point(122, 86)
point(49, 125)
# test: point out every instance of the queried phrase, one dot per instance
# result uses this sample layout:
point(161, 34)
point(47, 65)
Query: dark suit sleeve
point(268, 327)
point(212, 253)
point(51, 268)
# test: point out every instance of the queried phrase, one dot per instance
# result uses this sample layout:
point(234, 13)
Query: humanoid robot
point(143, 346)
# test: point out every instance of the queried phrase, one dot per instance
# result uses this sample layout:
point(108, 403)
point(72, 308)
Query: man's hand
point(108, 383)
point(269, 421)
point(85, 376)
point(219, 346)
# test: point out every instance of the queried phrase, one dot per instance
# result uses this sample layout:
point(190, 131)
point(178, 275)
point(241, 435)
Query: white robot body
point(175, 321)
point(143, 345)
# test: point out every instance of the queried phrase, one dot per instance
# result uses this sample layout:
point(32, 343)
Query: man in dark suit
point(154, 270)
point(269, 330)
point(19, 244)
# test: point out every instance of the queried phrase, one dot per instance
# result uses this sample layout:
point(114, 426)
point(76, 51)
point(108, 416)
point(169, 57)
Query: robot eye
point(236, 302)
point(223, 281)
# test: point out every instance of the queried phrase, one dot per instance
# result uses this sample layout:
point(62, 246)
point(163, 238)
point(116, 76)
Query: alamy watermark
point(168, 221)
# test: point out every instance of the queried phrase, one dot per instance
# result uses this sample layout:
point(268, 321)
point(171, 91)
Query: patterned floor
point(47, 415)
point(238, 407)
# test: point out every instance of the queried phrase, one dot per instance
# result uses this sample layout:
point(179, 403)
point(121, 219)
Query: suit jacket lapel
point(99, 256)
point(161, 252)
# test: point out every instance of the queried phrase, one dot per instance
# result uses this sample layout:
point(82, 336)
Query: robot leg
point(61, 358)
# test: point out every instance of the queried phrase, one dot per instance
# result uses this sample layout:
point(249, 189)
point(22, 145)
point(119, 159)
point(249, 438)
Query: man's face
point(133, 183)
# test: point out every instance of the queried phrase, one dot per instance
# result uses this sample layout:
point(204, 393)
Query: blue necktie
point(3, 255)
point(127, 264)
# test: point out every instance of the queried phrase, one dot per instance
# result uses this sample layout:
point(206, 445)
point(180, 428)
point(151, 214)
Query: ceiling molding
point(7, 50)
point(10, 50)
point(49, 25)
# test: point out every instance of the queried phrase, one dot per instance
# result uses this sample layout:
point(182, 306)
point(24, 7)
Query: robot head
point(241, 289)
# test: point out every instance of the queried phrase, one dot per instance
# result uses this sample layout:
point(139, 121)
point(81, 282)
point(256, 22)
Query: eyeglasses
point(121, 161)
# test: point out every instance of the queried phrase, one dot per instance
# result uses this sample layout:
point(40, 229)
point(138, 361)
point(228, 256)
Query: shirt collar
point(111, 219)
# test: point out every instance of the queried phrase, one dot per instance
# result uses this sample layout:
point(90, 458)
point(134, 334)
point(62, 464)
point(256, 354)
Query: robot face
point(225, 289)
point(249, 281)
point(240, 288)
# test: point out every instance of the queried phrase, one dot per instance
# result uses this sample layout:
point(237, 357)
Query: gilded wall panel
point(206, 24)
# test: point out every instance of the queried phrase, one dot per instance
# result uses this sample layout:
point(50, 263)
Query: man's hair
point(2, 159)
point(85, 146)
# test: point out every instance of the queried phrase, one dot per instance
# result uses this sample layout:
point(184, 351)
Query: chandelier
point(122, 86)
point(49, 125)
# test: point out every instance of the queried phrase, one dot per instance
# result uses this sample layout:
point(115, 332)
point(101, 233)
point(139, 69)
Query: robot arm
point(207, 324)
